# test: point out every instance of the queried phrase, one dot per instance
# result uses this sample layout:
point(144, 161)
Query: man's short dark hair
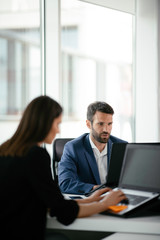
point(100, 107)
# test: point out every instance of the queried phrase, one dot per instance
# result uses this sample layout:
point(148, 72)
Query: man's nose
point(105, 128)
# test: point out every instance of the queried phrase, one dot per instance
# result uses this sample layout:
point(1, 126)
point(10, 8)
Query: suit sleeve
point(68, 177)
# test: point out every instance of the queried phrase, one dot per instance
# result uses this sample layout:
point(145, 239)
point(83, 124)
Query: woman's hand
point(98, 202)
point(97, 195)
point(109, 199)
point(94, 197)
point(113, 198)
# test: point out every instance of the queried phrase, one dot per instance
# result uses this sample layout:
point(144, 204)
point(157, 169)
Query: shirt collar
point(104, 152)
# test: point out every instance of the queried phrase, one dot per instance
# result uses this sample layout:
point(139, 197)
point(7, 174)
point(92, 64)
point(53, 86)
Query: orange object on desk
point(117, 208)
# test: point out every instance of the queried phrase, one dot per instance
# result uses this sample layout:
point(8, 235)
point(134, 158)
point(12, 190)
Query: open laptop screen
point(141, 168)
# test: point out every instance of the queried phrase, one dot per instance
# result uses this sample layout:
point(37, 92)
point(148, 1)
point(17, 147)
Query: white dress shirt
point(101, 159)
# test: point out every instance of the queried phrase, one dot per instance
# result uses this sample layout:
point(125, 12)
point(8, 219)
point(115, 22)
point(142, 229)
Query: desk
point(99, 226)
point(103, 223)
point(131, 236)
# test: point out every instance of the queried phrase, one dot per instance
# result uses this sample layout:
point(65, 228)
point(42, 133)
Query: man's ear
point(88, 124)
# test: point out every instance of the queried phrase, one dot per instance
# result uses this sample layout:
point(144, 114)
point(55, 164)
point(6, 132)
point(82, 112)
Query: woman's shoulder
point(37, 156)
point(37, 151)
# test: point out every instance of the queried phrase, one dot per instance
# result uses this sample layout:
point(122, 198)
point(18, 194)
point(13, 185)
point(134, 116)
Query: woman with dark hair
point(27, 188)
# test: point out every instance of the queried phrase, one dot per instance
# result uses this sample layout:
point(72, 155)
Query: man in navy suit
point(85, 160)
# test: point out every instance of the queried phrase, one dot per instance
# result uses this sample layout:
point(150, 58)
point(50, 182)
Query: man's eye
point(101, 124)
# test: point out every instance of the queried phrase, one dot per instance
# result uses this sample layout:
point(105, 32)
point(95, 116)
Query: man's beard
point(98, 137)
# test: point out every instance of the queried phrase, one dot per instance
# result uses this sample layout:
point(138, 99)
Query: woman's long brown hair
point(34, 126)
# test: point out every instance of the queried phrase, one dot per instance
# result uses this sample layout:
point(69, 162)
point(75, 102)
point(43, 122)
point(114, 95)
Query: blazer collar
point(91, 159)
point(109, 145)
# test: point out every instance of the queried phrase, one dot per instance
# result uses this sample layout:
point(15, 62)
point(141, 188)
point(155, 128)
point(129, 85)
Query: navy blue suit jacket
point(78, 170)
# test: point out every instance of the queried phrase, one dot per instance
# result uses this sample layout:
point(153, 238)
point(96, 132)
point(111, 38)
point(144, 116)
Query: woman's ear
point(88, 124)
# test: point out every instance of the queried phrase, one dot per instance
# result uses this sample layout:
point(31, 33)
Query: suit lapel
point(91, 159)
point(109, 151)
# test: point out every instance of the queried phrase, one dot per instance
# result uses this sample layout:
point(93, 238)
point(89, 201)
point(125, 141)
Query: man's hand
point(95, 186)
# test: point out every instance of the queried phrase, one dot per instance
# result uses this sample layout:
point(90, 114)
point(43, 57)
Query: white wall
point(146, 88)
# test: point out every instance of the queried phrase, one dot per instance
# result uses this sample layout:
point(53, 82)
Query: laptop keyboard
point(134, 199)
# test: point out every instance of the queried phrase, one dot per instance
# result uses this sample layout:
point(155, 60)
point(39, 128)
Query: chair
point(58, 146)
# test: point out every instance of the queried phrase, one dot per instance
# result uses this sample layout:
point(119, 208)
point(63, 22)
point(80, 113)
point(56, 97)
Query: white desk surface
point(131, 236)
point(103, 223)
point(106, 223)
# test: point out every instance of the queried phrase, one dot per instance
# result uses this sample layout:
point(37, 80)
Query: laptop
point(140, 177)
point(112, 178)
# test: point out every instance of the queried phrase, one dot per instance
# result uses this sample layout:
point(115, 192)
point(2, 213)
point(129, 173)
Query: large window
point(20, 60)
point(97, 64)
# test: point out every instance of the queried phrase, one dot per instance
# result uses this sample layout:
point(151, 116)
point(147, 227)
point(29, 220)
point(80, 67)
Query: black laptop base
point(151, 208)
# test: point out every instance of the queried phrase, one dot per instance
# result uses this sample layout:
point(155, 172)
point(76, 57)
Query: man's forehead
point(102, 117)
